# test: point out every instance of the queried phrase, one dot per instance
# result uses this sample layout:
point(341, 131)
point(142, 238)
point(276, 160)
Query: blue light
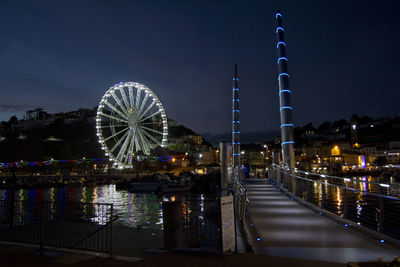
point(288, 142)
point(279, 28)
point(236, 110)
point(284, 74)
point(258, 239)
point(236, 154)
point(235, 89)
point(285, 91)
point(236, 132)
point(278, 14)
point(236, 121)
point(237, 79)
point(279, 43)
point(320, 213)
point(236, 143)
point(346, 225)
point(251, 224)
point(235, 99)
point(382, 241)
point(282, 58)
point(285, 107)
point(287, 125)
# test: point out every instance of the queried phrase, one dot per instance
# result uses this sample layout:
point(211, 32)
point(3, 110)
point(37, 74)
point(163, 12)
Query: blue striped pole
point(284, 97)
point(235, 121)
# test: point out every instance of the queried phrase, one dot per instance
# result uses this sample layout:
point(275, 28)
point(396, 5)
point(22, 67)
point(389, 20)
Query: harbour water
point(139, 227)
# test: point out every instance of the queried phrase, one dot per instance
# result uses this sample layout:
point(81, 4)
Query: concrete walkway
point(280, 226)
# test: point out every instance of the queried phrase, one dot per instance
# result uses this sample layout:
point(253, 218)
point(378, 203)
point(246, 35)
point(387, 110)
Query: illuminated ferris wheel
point(130, 120)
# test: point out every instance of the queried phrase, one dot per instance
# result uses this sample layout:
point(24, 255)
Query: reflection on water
point(133, 209)
point(343, 198)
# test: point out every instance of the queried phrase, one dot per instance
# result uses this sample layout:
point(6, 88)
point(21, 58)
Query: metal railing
point(71, 225)
point(240, 195)
point(366, 203)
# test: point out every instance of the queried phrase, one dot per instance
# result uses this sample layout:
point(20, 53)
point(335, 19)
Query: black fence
point(94, 226)
point(366, 203)
point(72, 225)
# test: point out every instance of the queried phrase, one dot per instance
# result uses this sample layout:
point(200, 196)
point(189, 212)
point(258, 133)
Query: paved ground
point(17, 256)
point(280, 226)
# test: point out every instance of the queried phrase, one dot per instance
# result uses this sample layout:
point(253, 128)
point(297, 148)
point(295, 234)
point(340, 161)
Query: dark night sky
point(63, 55)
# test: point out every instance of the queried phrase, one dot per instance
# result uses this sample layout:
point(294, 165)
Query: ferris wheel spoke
point(141, 115)
point(145, 143)
point(118, 142)
point(143, 103)
point(121, 106)
point(150, 123)
point(111, 136)
point(151, 137)
point(148, 117)
point(121, 152)
point(131, 143)
point(111, 126)
point(137, 145)
point(130, 90)
point(152, 130)
point(124, 98)
point(116, 110)
point(138, 92)
point(113, 117)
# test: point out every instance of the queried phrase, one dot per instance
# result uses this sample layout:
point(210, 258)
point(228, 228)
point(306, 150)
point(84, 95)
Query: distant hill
point(245, 138)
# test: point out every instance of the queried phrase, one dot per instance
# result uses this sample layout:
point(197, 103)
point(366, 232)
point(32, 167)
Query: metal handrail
point(345, 187)
point(346, 179)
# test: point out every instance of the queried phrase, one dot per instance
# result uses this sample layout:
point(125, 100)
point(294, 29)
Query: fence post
point(111, 231)
point(41, 230)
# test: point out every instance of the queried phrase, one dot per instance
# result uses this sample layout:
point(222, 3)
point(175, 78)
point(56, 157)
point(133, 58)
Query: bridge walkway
point(280, 226)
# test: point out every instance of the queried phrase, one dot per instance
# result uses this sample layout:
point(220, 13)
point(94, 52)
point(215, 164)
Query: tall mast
point(284, 97)
point(235, 121)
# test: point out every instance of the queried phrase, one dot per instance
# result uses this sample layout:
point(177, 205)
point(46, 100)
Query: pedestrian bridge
point(280, 224)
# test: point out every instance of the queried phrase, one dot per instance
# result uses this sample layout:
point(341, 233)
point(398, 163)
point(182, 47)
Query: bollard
point(172, 224)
